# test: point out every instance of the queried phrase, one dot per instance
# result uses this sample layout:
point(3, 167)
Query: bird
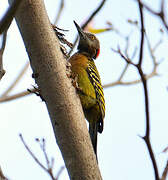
point(89, 87)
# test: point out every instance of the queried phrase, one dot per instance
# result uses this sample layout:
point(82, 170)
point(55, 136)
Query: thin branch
point(49, 168)
point(59, 12)
point(87, 22)
point(152, 50)
point(123, 72)
point(127, 59)
point(165, 172)
point(15, 96)
point(144, 82)
point(142, 34)
point(59, 172)
point(93, 14)
point(43, 148)
point(4, 37)
point(20, 75)
point(3, 42)
point(126, 83)
point(8, 17)
point(32, 154)
point(160, 14)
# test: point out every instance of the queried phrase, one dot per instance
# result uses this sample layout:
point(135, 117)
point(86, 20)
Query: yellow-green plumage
point(91, 96)
point(90, 89)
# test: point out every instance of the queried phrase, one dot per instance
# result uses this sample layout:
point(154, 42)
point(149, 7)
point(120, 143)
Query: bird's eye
point(92, 37)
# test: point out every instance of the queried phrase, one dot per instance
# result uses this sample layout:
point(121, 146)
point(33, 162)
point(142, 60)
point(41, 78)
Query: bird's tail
point(93, 128)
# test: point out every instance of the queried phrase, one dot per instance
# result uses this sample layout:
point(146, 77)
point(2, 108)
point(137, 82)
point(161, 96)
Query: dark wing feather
point(96, 82)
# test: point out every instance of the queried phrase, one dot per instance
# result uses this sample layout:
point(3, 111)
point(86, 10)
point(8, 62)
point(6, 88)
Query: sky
point(122, 153)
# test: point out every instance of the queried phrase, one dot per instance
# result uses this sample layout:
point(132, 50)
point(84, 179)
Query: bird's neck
point(86, 54)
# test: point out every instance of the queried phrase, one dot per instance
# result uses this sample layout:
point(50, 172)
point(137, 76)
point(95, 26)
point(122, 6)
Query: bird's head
point(88, 43)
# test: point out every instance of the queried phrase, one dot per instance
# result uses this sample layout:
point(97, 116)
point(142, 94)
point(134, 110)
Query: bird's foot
point(74, 81)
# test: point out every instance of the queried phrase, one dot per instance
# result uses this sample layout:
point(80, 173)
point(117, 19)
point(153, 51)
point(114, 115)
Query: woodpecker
point(89, 89)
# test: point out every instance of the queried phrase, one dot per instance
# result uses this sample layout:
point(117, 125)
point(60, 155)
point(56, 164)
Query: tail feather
point(93, 129)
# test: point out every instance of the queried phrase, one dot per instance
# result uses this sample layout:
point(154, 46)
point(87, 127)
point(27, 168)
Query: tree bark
point(2, 177)
point(63, 104)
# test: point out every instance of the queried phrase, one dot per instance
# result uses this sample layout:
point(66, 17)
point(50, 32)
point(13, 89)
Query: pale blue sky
point(122, 154)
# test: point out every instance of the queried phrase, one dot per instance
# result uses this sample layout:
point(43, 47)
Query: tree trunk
point(60, 97)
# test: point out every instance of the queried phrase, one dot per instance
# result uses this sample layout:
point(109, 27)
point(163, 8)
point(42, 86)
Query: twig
point(43, 148)
point(15, 96)
point(49, 168)
point(87, 22)
point(59, 172)
point(20, 75)
point(127, 59)
point(160, 14)
point(4, 37)
point(126, 83)
point(31, 153)
point(142, 34)
point(123, 72)
point(165, 150)
point(8, 17)
point(144, 82)
point(3, 42)
point(93, 14)
point(165, 172)
point(59, 12)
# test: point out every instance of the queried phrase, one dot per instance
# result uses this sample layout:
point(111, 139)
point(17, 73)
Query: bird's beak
point(80, 31)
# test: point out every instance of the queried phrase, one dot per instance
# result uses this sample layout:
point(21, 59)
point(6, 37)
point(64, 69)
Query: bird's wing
point(96, 82)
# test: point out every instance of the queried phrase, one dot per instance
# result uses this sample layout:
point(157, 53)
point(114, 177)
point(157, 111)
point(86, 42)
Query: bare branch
point(8, 17)
point(42, 144)
point(165, 172)
point(4, 37)
point(15, 82)
point(32, 154)
point(145, 88)
point(123, 72)
point(127, 59)
point(59, 172)
point(126, 83)
point(160, 14)
point(15, 96)
point(142, 34)
point(59, 12)
point(93, 14)
point(49, 168)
